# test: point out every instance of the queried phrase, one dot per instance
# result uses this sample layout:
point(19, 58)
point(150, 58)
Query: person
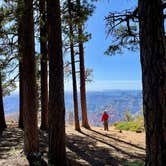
point(104, 119)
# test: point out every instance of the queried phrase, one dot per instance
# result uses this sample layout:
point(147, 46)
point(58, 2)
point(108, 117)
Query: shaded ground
point(101, 148)
point(88, 148)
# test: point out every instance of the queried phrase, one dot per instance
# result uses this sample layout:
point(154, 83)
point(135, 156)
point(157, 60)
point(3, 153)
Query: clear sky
point(109, 72)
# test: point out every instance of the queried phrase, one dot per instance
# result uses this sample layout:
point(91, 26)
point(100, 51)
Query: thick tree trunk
point(20, 41)
point(56, 118)
point(153, 61)
point(82, 74)
point(2, 116)
point(74, 81)
point(44, 82)
point(31, 144)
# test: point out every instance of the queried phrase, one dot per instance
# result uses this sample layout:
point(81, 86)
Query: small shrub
point(136, 125)
point(134, 163)
point(128, 116)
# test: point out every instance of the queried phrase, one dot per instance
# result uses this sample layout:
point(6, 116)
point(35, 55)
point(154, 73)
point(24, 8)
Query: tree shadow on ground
point(11, 139)
point(85, 145)
point(115, 147)
point(87, 149)
point(11, 143)
point(118, 140)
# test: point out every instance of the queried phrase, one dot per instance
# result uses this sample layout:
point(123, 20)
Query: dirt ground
point(94, 147)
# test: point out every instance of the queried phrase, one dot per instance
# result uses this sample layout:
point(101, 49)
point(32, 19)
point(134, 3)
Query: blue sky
point(109, 72)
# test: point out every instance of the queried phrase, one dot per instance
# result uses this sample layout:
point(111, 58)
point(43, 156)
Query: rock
point(138, 131)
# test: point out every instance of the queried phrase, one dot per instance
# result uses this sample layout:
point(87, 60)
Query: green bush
point(134, 163)
point(136, 125)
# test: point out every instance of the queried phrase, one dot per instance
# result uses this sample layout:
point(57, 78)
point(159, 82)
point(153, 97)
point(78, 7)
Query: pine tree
point(150, 16)
point(153, 62)
point(2, 116)
point(74, 81)
point(73, 21)
point(20, 52)
point(57, 152)
point(43, 51)
point(82, 72)
point(31, 142)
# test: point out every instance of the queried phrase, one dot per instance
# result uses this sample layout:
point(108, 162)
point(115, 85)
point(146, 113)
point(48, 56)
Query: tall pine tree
point(151, 37)
point(2, 116)
point(31, 142)
point(153, 62)
point(57, 152)
point(82, 70)
point(44, 72)
point(72, 54)
point(19, 15)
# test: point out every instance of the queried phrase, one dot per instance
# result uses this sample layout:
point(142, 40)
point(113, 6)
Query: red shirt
point(104, 117)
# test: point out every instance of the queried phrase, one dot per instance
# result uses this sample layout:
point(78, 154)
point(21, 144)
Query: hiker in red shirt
point(104, 119)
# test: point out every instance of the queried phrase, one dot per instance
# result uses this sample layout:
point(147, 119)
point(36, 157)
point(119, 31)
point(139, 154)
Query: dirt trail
point(93, 147)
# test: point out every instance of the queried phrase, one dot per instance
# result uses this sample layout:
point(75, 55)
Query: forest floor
point(94, 147)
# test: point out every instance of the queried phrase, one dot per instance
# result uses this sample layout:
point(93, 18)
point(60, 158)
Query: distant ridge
point(113, 101)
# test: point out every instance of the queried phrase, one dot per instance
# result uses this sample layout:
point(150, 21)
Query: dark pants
point(106, 125)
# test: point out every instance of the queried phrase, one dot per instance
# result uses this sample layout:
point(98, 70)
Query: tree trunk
point(31, 144)
point(21, 110)
point(75, 98)
point(20, 52)
point(2, 116)
point(82, 83)
point(43, 51)
point(56, 118)
point(153, 61)
point(82, 73)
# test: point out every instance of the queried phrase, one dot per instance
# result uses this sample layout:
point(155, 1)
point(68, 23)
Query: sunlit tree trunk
point(82, 74)
point(43, 51)
point(2, 115)
point(153, 61)
point(20, 52)
point(82, 85)
point(74, 81)
point(56, 118)
point(31, 144)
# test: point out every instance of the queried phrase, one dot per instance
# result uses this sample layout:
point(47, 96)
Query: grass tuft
point(135, 125)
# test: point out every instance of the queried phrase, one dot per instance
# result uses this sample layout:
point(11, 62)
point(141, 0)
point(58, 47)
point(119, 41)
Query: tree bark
point(20, 52)
point(43, 51)
point(153, 61)
point(31, 144)
point(74, 81)
point(82, 74)
point(2, 116)
point(21, 110)
point(56, 118)
point(82, 84)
